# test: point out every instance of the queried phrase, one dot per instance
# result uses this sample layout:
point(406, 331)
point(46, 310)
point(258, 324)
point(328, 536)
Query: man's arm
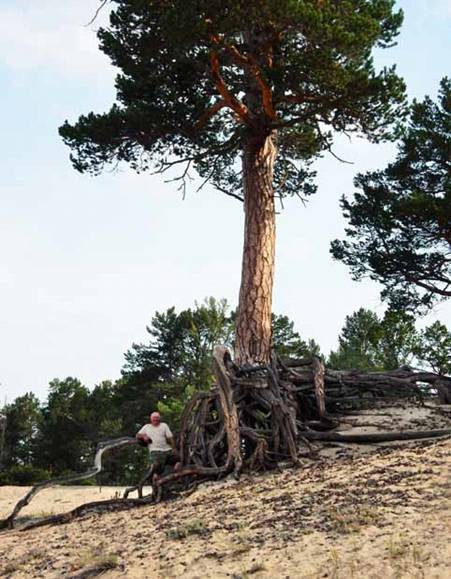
point(142, 435)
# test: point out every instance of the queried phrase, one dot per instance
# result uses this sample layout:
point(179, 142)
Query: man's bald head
point(155, 418)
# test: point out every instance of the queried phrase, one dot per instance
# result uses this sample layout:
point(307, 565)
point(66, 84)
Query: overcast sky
point(85, 262)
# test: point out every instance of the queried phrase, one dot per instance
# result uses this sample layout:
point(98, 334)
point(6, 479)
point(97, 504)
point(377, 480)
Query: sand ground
point(384, 511)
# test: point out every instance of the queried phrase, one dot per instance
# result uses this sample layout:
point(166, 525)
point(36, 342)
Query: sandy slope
point(384, 513)
point(55, 499)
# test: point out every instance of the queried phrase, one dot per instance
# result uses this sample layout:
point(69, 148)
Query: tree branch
point(231, 101)
point(209, 113)
point(182, 178)
point(230, 194)
point(429, 287)
point(300, 99)
point(97, 12)
point(250, 63)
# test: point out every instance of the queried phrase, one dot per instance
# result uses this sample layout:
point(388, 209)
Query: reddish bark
point(253, 324)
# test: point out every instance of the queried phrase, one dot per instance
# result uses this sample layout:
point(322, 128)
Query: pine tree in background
point(358, 342)
point(399, 231)
point(434, 348)
point(368, 343)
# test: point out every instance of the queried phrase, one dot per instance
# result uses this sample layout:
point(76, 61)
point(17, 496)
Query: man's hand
point(144, 438)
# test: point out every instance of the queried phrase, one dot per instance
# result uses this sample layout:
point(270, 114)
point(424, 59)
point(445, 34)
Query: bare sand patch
point(57, 499)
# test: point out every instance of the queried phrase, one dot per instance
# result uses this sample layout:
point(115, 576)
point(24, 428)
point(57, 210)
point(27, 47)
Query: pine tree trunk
point(253, 324)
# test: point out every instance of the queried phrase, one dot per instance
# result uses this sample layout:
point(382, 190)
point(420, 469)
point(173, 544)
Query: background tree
point(287, 343)
point(368, 343)
point(400, 219)
point(209, 323)
point(67, 428)
point(20, 441)
point(397, 341)
point(23, 422)
point(180, 346)
point(358, 342)
point(434, 348)
point(246, 93)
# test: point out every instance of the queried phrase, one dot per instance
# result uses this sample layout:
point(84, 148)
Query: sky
point(86, 261)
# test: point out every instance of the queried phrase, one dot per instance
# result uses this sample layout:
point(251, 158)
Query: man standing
point(160, 441)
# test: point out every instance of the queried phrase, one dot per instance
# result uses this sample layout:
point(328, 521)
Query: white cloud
point(52, 36)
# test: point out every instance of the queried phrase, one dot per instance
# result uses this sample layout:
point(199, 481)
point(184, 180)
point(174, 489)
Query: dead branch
point(102, 447)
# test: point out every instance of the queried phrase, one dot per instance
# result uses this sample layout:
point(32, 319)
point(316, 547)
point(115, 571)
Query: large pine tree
point(246, 93)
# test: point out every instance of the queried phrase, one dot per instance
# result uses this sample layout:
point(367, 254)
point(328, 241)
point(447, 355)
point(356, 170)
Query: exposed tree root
point(279, 407)
point(256, 416)
point(105, 506)
point(102, 447)
point(374, 437)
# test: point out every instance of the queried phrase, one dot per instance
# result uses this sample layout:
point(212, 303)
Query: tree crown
point(199, 78)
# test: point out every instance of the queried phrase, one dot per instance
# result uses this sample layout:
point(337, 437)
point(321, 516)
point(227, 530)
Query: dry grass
point(21, 563)
point(194, 527)
point(351, 521)
point(93, 562)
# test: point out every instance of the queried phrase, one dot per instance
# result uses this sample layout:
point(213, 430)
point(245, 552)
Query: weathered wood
point(374, 437)
point(318, 383)
point(104, 506)
point(229, 409)
point(139, 487)
point(102, 447)
point(444, 391)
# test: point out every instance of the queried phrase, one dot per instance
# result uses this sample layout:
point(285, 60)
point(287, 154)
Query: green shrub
point(25, 474)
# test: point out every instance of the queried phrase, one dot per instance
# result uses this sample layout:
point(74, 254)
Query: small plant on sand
point(398, 551)
point(406, 558)
point(96, 560)
point(335, 563)
point(194, 527)
point(417, 554)
point(344, 521)
point(397, 548)
point(20, 563)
